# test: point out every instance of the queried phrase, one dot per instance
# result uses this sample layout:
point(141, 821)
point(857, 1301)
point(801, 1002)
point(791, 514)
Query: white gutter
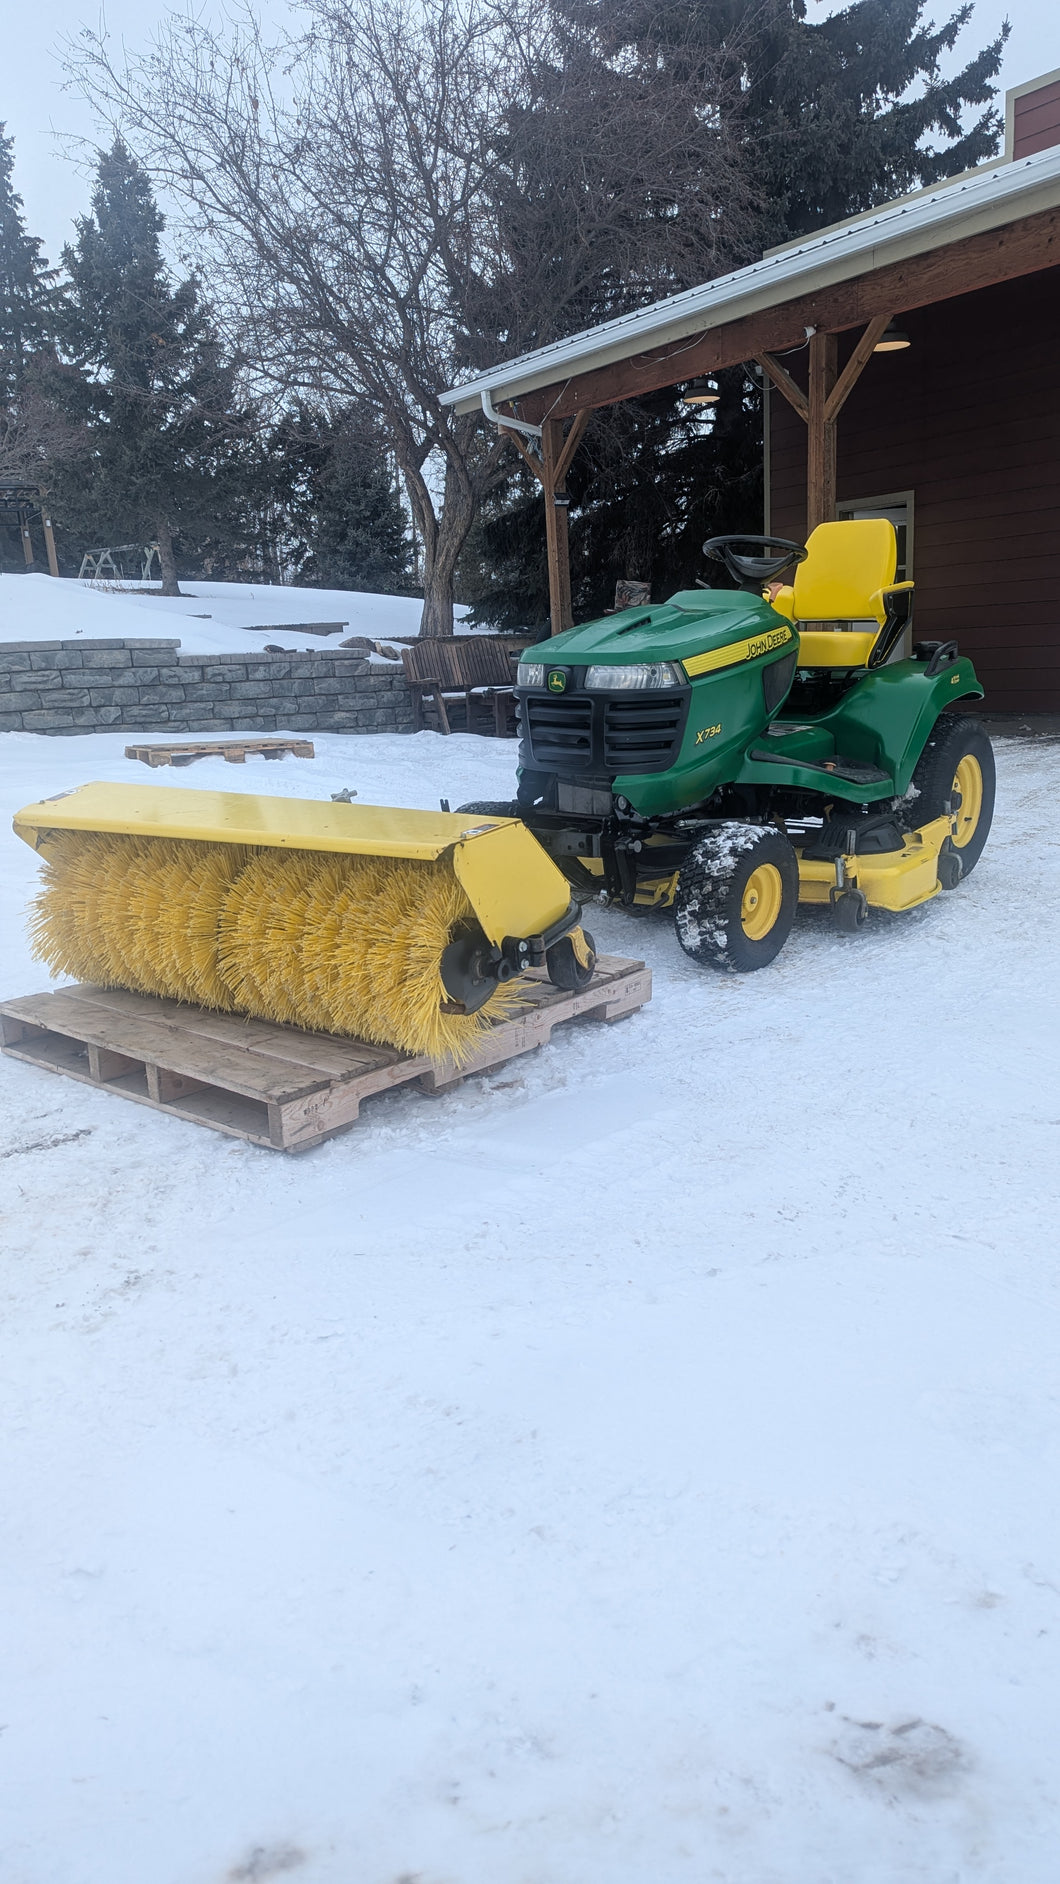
point(971, 205)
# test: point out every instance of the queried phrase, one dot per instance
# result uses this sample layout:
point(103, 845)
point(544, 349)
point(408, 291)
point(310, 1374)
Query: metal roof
point(982, 199)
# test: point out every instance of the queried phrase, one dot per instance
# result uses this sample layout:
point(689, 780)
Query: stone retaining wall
point(89, 686)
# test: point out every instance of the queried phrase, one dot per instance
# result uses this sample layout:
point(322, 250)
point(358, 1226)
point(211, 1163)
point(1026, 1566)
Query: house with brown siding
point(912, 361)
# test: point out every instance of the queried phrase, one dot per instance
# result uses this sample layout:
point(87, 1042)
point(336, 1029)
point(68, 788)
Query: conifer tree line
point(406, 192)
point(120, 400)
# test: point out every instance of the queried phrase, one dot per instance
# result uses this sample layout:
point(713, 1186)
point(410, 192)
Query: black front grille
point(559, 731)
point(642, 735)
point(613, 733)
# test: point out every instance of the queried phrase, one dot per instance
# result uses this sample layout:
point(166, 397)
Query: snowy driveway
point(638, 1467)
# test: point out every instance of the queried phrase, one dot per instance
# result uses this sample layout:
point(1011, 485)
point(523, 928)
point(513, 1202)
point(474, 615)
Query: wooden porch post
point(550, 470)
point(27, 540)
point(556, 536)
point(821, 434)
point(49, 541)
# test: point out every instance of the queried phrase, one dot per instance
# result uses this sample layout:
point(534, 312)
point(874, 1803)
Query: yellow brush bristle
point(340, 944)
point(260, 937)
point(193, 890)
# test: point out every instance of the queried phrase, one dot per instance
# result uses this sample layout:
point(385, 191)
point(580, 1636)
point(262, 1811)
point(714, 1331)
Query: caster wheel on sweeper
point(736, 897)
point(571, 962)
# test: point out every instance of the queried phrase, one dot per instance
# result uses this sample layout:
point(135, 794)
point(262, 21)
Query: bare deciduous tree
point(409, 190)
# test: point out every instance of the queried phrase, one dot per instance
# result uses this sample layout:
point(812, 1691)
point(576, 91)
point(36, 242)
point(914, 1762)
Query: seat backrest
point(847, 565)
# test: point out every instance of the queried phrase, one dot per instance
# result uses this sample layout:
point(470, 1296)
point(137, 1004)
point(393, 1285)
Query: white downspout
point(501, 418)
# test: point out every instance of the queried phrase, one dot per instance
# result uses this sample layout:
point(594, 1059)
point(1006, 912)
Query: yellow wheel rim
point(762, 899)
point(968, 780)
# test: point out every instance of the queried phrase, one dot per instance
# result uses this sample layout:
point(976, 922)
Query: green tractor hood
point(692, 622)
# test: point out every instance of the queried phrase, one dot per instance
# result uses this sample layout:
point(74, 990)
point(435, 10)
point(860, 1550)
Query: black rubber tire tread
point(491, 808)
point(953, 736)
point(710, 891)
point(565, 970)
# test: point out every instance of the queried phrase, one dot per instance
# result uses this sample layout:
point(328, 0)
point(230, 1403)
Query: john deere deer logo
point(557, 680)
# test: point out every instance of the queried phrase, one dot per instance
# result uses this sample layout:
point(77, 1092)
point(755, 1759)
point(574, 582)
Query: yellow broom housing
point(402, 927)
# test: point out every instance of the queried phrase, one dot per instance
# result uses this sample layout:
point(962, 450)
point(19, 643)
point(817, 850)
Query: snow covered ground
point(208, 618)
point(637, 1467)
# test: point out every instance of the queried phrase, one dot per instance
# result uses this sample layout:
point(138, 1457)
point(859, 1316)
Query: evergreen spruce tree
point(27, 309)
point(26, 285)
point(837, 115)
point(345, 525)
point(161, 400)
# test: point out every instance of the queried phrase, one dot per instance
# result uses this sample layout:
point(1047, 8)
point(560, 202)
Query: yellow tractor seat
point(848, 577)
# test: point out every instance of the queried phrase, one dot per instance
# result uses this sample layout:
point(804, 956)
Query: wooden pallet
point(234, 750)
point(273, 1085)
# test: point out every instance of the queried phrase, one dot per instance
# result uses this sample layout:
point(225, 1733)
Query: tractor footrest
point(864, 837)
point(854, 771)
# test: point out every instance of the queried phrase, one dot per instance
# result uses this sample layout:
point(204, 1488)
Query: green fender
point(886, 719)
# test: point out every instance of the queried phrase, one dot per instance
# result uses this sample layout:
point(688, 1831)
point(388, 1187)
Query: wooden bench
point(475, 669)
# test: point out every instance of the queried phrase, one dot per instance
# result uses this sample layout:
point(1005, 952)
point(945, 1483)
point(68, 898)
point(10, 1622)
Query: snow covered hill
point(209, 618)
point(637, 1467)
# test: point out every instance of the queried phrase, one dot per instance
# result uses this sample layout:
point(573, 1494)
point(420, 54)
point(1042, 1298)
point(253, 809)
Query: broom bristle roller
point(336, 943)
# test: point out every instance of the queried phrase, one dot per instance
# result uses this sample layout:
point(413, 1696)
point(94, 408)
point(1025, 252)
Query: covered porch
point(911, 370)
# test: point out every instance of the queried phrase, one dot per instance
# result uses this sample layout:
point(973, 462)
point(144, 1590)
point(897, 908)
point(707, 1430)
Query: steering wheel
point(752, 571)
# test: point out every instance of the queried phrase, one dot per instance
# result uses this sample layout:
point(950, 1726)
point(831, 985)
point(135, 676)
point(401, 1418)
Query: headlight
point(639, 677)
point(530, 674)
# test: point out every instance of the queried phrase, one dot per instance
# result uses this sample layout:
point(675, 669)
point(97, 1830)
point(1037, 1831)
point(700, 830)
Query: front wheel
point(956, 768)
point(736, 897)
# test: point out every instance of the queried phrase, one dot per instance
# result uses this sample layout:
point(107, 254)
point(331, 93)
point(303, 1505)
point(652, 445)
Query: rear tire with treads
point(737, 894)
point(958, 757)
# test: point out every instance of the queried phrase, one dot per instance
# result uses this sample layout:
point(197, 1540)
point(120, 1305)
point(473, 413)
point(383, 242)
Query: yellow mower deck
point(893, 879)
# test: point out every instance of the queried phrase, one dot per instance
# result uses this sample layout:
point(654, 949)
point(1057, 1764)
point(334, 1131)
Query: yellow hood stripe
point(737, 651)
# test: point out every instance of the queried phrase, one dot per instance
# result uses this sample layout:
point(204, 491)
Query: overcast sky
point(38, 111)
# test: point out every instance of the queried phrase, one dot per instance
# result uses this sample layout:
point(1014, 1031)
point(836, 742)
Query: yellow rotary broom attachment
point(403, 927)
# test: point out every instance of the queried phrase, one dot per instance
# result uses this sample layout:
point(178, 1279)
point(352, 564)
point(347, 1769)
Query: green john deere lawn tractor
point(732, 756)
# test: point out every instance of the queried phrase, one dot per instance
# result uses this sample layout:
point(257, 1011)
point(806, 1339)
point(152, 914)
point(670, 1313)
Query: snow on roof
point(977, 201)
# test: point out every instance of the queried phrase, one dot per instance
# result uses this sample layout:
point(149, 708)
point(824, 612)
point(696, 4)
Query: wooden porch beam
point(533, 464)
point(784, 383)
point(570, 446)
point(855, 366)
point(980, 261)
